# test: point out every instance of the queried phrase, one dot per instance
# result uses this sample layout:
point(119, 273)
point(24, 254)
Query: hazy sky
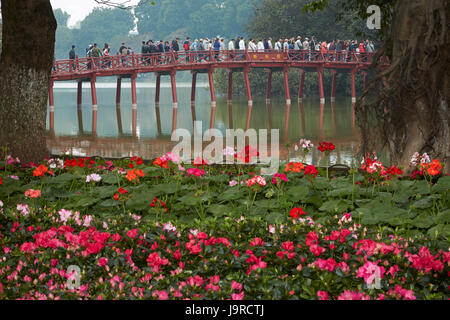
point(78, 9)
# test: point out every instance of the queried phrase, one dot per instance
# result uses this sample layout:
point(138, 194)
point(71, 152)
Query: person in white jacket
point(242, 44)
point(231, 45)
point(270, 43)
point(252, 46)
point(260, 46)
point(278, 45)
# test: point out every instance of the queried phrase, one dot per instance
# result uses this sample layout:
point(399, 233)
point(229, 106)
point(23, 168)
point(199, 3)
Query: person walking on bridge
point(260, 46)
point(231, 48)
point(252, 46)
point(187, 47)
point(73, 56)
point(278, 45)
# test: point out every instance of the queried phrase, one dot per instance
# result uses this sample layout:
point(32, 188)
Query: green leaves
point(335, 206)
point(298, 193)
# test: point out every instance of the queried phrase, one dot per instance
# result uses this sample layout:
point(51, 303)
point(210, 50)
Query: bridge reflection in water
point(149, 135)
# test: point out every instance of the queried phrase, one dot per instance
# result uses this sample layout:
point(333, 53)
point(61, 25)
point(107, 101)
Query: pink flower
point(237, 296)
point(132, 233)
point(236, 285)
point(154, 260)
point(369, 271)
point(328, 264)
point(196, 172)
point(323, 295)
point(351, 295)
point(256, 242)
point(233, 183)
point(102, 262)
point(402, 293)
point(256, 180)
point(317, 250)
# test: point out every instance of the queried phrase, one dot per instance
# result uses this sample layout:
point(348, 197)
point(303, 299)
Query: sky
point(78, 9)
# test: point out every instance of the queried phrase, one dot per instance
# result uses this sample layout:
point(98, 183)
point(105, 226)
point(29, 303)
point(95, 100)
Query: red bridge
point(129, 66)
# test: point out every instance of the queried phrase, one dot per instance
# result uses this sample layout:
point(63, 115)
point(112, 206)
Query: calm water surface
point(115, 138)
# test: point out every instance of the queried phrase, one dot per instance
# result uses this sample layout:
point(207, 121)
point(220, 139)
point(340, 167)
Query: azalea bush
point(166, 230)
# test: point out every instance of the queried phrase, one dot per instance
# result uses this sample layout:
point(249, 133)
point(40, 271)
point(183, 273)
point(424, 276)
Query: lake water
point(114, 136)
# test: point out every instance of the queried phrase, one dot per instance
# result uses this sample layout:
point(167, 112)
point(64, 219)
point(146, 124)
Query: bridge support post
point(119, 120)
point(247, 87)
point(157, 91)
point(321, 91)
point(158, 88)
point(79, 94)
point(249, 97)
point(353, 86)
point(134, 104)
point(174, 100)
point(269, 85)
point(51, 107)
point(79, 104)
point(286, 85)
point(118, 91)
point(301, 85)
point(194, 83)
point(213, 98)
point(321, 114)
point(230, 87)
point(94, 106)
point(286, 122)
point(302, 118)
point(333, 85)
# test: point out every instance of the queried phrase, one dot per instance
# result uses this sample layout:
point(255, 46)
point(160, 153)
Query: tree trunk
point(412, 110)
point(25, 68)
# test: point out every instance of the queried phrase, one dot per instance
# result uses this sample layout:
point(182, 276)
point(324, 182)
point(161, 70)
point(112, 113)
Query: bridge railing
point(193, 57)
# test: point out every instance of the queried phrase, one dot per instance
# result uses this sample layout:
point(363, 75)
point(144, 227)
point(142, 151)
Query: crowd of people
point(305, 45)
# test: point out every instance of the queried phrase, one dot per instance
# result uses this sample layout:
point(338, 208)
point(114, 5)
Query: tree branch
point(127, 4)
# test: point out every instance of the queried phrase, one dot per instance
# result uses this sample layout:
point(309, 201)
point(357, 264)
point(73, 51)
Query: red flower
point(297, 212)
point(116, 197)
point(311, 170)
point(326, 146)
point(40, 171)
point(132, 233)
point(122, 190)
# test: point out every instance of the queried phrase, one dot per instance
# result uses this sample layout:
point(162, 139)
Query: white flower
point(24, 209)
point(169, 227)
point(306, 144)
point(87, 221)
point(194, 232)
point(233, 183)
point(14, 177)
point(271, 229)
point(64, 215)
point(105, 225)
point(93, 177)
point(1, 203)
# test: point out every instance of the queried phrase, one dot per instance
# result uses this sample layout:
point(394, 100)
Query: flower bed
point(167, 231)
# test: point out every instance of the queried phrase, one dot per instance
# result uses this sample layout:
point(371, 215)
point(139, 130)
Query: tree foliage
point(285, 19)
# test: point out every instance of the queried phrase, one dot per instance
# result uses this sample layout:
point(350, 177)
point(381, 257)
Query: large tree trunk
point(412, 110)
point(25, 68)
